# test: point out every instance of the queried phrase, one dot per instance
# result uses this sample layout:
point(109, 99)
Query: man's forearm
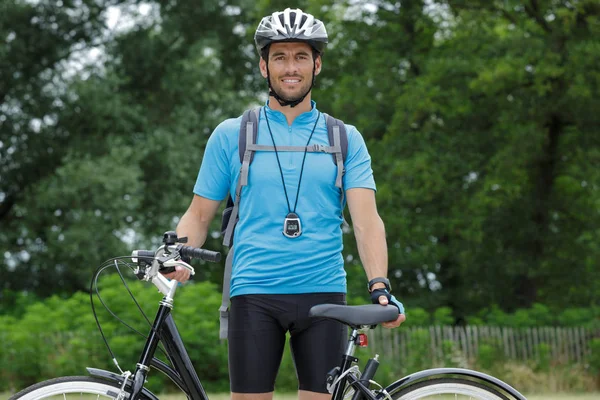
point(372, 247)
point(194, 228)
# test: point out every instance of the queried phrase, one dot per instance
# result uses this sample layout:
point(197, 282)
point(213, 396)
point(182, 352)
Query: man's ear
point(263, 67)
point(318, 64)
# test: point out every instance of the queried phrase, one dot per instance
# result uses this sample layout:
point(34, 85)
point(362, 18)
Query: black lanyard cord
point(279, 163)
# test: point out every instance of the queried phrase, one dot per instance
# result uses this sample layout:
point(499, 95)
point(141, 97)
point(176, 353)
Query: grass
point(280, 396)
point(564, 396)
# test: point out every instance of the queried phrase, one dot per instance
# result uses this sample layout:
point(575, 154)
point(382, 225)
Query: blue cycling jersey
point(265, 261)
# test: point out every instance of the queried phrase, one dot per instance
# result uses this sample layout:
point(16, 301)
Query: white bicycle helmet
point(291, 26)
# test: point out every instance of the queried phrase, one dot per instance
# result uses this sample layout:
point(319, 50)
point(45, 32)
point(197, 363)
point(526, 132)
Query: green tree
point(490, 174)
point(479, 116)
point(99, 155)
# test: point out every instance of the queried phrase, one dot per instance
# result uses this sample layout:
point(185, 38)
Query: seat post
point(347, 360)
point(351, 343)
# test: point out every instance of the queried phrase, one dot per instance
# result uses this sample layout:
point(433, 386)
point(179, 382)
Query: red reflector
point(363, 341)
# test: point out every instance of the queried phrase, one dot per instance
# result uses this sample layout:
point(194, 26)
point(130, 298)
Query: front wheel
point(448, 388)
point(71, 387)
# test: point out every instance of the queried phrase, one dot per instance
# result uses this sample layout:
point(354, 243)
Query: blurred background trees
point(480, 116)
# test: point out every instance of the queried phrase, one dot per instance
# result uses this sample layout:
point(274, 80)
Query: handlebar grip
point(144, 254)
point(194, 252)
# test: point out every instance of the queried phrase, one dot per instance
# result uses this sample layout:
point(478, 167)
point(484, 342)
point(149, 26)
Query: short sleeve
point(358, 172)
point(214, 177)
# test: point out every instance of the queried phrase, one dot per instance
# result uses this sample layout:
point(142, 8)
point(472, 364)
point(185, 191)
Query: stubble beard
point(278, 88)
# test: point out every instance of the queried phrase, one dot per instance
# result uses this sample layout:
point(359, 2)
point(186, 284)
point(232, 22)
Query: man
point(277, 277)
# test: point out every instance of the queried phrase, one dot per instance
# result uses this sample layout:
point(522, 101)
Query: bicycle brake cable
point(129, 291)
point(94, 287)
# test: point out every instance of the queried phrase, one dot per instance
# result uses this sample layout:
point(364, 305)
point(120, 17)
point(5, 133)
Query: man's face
point(290, 68)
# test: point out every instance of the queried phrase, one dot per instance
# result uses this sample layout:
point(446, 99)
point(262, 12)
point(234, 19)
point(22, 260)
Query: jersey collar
point(303, 118)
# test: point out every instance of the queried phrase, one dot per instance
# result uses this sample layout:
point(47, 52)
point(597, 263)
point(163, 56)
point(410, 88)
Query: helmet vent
point(303, 20)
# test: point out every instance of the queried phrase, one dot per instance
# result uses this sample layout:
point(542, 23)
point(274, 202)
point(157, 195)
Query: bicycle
point(343, 381)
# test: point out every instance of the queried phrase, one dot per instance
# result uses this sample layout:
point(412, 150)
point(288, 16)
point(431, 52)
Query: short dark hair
point(264, 52)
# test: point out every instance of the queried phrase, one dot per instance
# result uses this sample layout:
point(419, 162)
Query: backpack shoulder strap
point(247, 138)
point(249, 124)
point(224, 308)
point(338, 140)
point(334, 125)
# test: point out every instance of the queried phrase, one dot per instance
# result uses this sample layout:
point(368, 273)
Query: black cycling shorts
point(256, 336)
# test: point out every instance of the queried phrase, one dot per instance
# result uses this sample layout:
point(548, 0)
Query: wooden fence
point(436, 344)
point(563, 345)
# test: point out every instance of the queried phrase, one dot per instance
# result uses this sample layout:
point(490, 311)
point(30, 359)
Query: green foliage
point(543, 362)
point(452, 355)
point(443, 316)
point(95, 156)
point(594, 357)
point(560, 379)
point(420, 343)
point(580, 317)
point(417, 317)
point(490, 356)
point(481, 173)
point(15, 303)
point(59, 336)
point(480, 116)
point(537, 315)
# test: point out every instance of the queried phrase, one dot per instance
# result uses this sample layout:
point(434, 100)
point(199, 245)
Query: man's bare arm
point(369, 231)
point(370, 239)
point(196, 220)
point(194, 225)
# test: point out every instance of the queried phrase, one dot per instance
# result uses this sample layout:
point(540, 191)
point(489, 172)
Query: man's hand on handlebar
point(181, 274)
point(171, 259)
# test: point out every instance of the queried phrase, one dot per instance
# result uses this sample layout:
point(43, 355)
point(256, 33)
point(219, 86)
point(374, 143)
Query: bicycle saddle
point(356, 316)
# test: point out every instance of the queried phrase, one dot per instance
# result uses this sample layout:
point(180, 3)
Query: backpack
point(338, 148)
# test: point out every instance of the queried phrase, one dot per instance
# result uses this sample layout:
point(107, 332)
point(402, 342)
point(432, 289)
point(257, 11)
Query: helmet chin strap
point(283, 102)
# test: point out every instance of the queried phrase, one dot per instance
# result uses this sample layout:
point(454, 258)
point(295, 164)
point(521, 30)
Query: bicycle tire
point(448, 388)
point(70, 385)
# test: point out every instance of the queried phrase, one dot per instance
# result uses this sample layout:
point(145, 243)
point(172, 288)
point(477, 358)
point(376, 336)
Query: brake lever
point(170, 264)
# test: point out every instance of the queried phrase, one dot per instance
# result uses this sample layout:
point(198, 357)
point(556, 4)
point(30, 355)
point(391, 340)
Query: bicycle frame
point(182, 374)
point(164, 330)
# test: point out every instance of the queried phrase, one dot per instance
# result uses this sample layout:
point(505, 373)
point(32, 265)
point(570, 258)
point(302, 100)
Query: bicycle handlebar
point(153, 264)
point(145, 254)
point(201, 254)
point(184, 251)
